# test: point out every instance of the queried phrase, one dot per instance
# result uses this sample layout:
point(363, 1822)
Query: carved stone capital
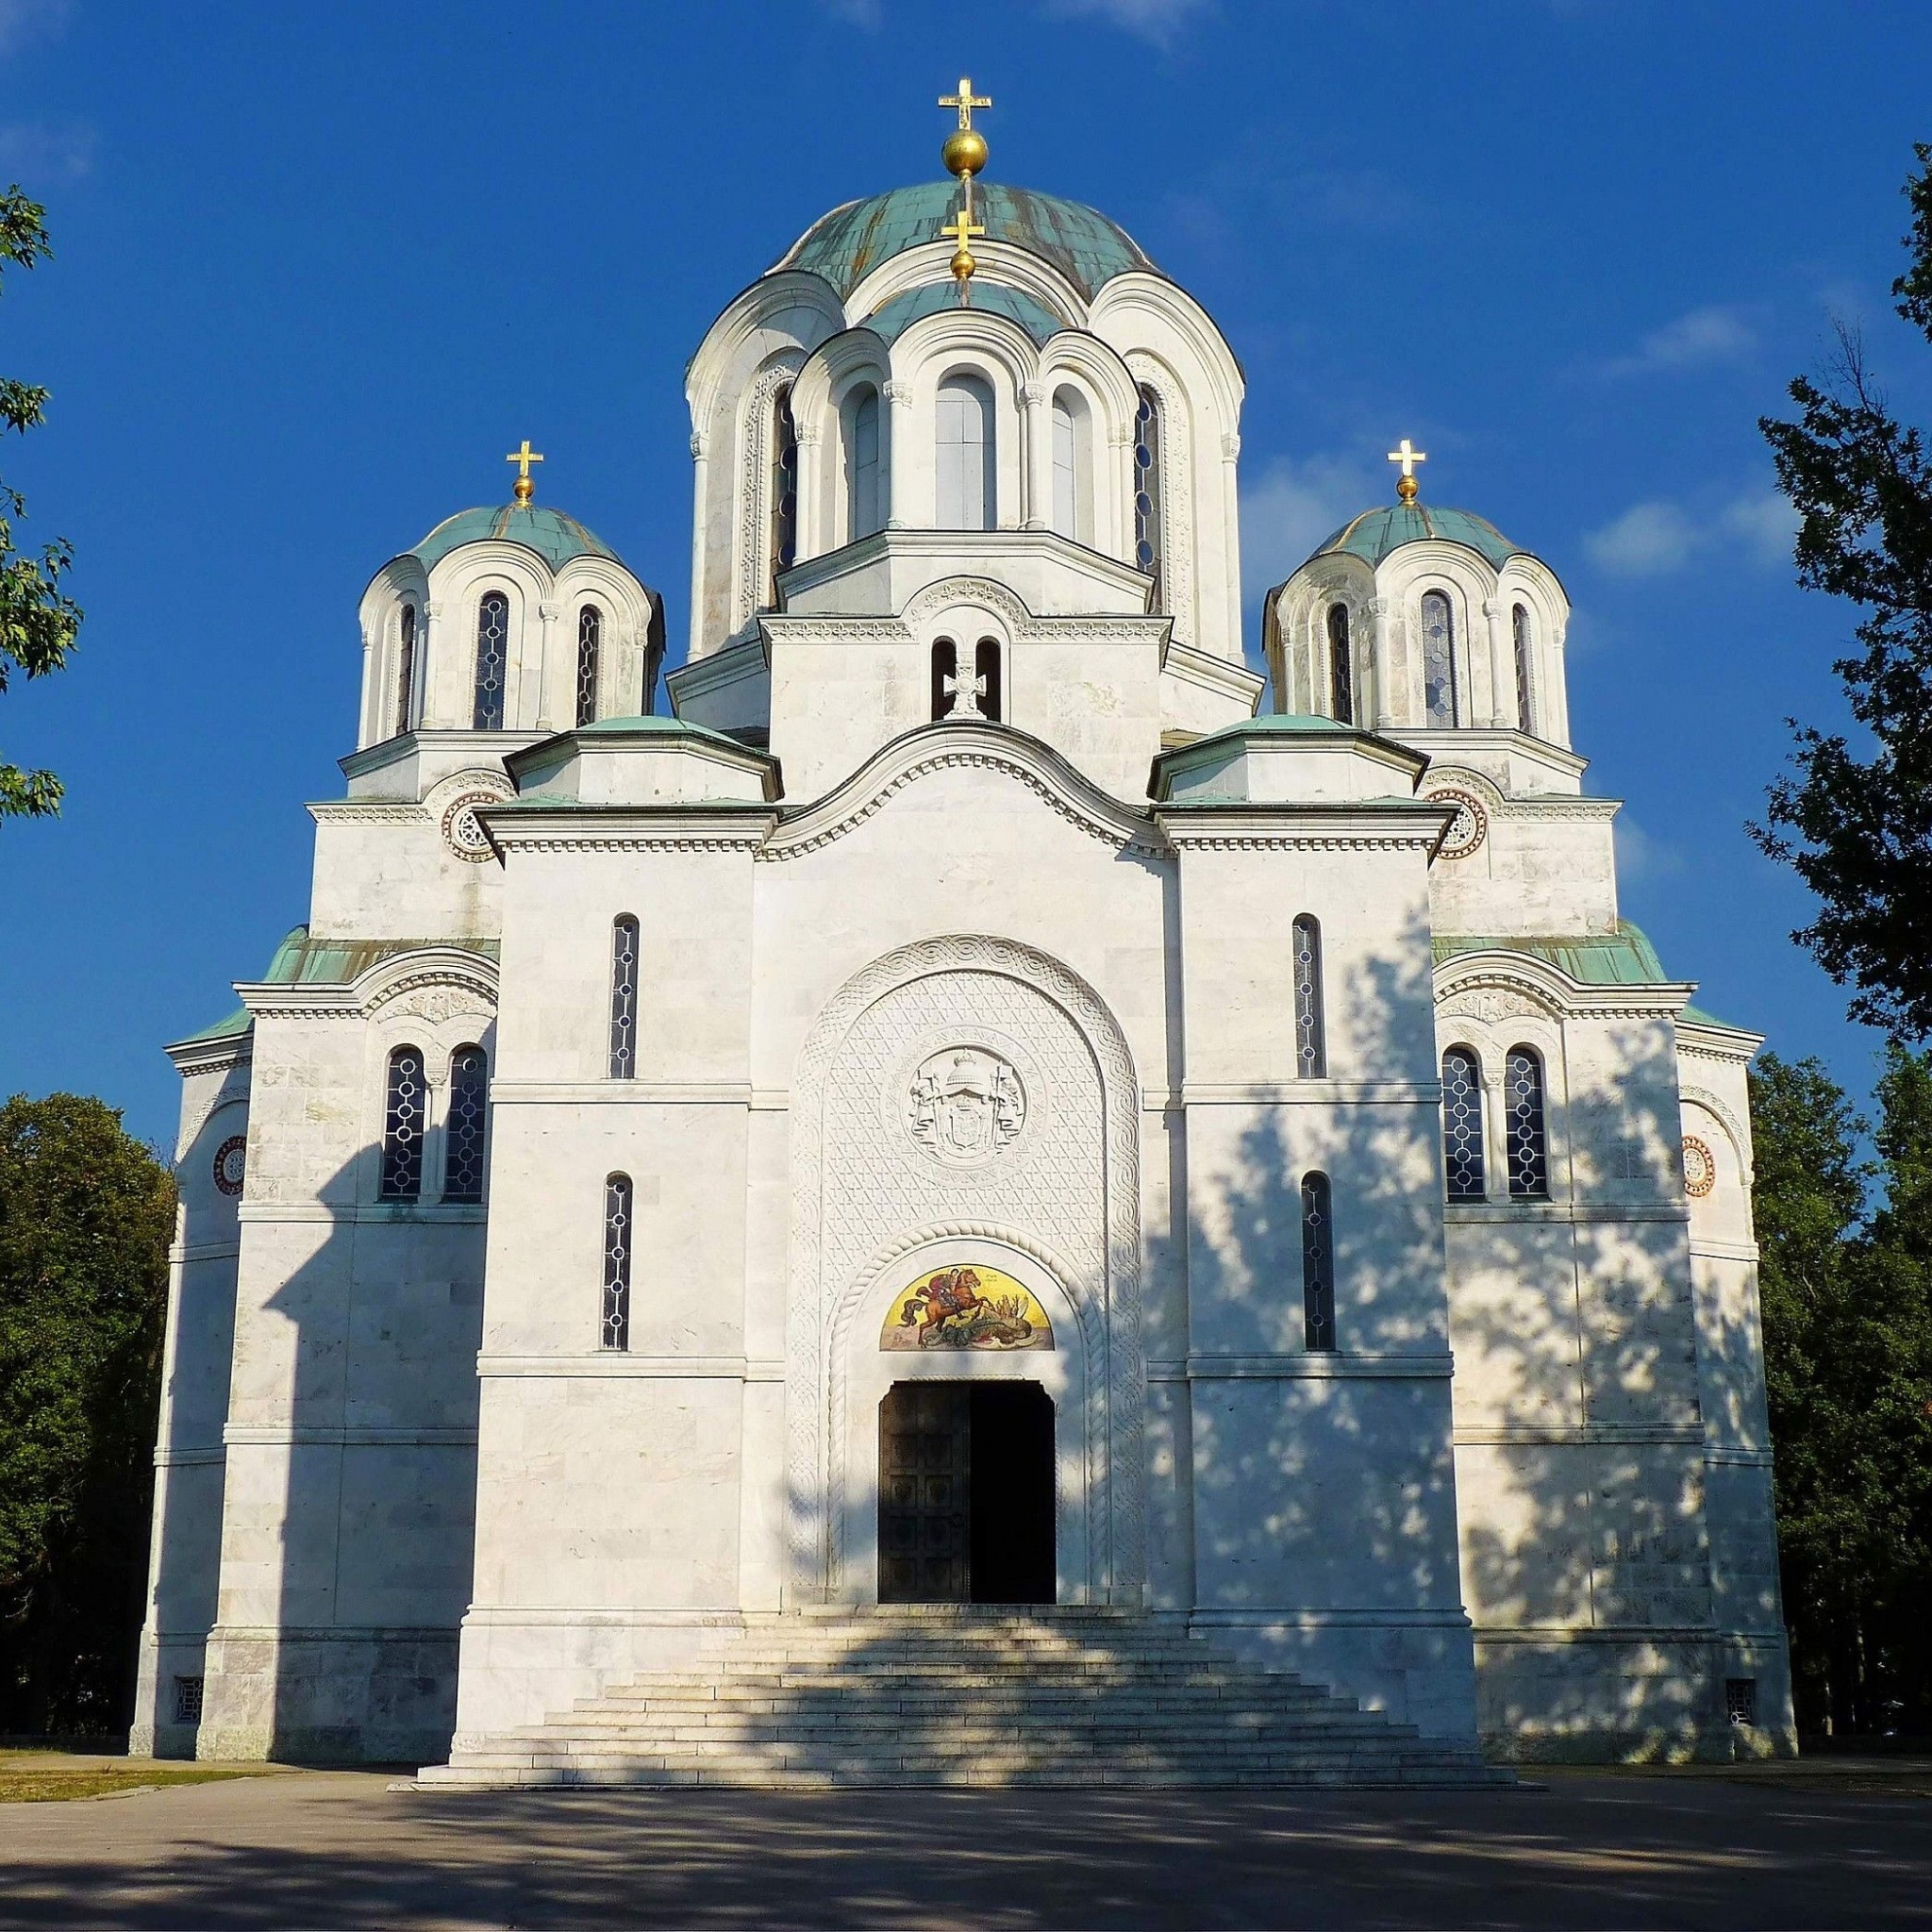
point(807, 434)
point(1492, 606)
point(549, 612)
point(700, 444)
point(1231, 444)
point(898, 393)
point(1033, 394)
point(1379, 606)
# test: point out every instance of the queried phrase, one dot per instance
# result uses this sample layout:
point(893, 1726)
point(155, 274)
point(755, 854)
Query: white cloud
point(47, 149)
point(1290, 506)
point(1649, 539)
point(24, 20)
point(1694, 340)
point(1159, 21)
point(1641, 856)
point(1654, 538)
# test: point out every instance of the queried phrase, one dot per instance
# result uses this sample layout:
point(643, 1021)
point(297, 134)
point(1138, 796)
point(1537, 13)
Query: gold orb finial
point(964, 152)
point(1407, 488)
point(961, 229)
point(526, 486)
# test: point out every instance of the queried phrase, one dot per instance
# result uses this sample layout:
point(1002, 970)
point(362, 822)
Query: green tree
point(85, 1216)
point(37, 621)
point(1847, 1303)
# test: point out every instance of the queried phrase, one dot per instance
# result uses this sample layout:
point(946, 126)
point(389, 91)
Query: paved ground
point(341, 1849)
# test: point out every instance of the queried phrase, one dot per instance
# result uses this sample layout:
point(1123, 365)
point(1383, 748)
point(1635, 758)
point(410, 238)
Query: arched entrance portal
point(967, 1499)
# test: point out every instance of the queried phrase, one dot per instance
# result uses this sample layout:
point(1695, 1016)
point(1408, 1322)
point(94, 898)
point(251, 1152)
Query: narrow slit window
point(986, 667)
point(405, 1116)
point(946, 674)
point(1439, 658)
point(623, 998)
point(1522, 1122)
point(1318, 1263)
point(1148, 485)
point(492, 660)
point(469, 1107)
point(589, 650)
point(1462, 1124)
point(405, 668)
point(784, 486)
point(1310, 1042)
point(619, 1216)
point(1525, 692)
point(1340, 666)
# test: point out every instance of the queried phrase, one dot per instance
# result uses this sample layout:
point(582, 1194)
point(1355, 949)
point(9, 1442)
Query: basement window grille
point(188, 1699)
point(1740, 1700)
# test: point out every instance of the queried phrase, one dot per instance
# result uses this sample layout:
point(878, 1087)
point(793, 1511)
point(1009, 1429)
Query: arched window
point(1148, 481)
point(590, 648)
point(864, 509)
point(469, 1098)
point(623, 998)
point(966, 455)
point(1439, 658)
point(1462, 1124)
point(406, 667)
point(1318, 1262)
point(1310, 1045)
point(1071, 466)
point(619, 1215)
point(404, 1114)
point(1526, 1149)
point(946, 674)
point(1525, 711)
point(986, 667)
point(492, 659)
point(784, 486)
point(1340, 666)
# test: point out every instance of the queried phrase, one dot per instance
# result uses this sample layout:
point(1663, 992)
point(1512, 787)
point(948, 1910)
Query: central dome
point(844, 246)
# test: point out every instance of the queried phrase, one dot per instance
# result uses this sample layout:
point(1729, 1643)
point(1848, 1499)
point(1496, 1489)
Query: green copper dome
point(1375, 533)
point(846, 245)
point(891, 321)
point(552, 536)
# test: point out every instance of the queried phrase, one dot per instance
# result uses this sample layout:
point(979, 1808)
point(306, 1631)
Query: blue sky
point(319, 267)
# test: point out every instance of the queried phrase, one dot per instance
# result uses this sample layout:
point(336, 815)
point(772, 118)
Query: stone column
point(430, 672)
point(549, 613)
point(1036, 458)
point(809, 504)
point(700, 492)
point(1502, 669)
point(1382, 673)
point(898, 397)
point(371, 696)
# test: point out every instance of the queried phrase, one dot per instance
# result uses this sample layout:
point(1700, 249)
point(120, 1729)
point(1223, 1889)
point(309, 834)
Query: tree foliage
point(1846, 1292)
point(38, 620)
point(85, 1215)
point(1855, 821)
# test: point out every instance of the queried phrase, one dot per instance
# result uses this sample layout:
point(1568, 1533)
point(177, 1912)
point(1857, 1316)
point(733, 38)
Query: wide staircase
point(946, 1695)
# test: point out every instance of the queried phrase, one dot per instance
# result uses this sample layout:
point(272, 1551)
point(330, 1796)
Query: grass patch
point(31, 1778)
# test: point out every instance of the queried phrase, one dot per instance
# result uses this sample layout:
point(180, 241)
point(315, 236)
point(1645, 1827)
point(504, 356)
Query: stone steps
point(944, 1695)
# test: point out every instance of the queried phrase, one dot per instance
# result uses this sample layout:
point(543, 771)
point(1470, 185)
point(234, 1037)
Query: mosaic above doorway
point(966, 1307)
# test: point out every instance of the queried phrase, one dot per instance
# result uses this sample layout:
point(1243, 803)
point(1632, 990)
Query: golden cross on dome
point(962, 229)
point(523, 458)
point(965, 100)
point(1408, 457)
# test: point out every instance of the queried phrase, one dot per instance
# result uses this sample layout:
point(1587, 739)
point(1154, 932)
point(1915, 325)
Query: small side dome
point(1378, 533)
point(556, 538)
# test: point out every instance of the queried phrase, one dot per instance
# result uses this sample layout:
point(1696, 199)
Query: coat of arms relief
point(966, 1103)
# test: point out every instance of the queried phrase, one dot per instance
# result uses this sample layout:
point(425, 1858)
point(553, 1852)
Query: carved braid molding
point(1633, 1006)
point(1177, 496)
point(440, 985)
point(989, 759)
point(1719, 1111)
point(1117, 1526)
point(753, 486)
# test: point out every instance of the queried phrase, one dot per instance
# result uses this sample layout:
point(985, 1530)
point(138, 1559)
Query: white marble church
point(976, 1104)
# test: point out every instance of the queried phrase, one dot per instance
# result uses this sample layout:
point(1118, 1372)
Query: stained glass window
point(492, 659)
point(469, 1097)
point(1310, 1047)
point(1523, 1126)
point(1462, 1124)
point(1318, 1262)
point(590, 648)
point(1439, 658)
point(619, 1214)
point(966, 452)
point(1341, 665)
point(405, 668)
point(623, 998)
point(862, 464)
point(1526, 715)
point(405, 1116)
point(986, 667)
point(784, 485)
point(1147, 490)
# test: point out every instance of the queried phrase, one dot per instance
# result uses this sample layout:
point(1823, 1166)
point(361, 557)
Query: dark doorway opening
point(966, 1494)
